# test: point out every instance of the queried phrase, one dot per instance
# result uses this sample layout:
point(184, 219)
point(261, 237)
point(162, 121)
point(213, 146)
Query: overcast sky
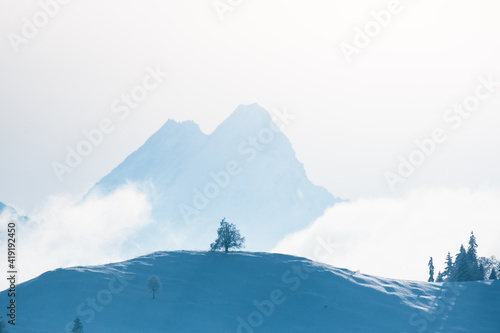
point(361, 100)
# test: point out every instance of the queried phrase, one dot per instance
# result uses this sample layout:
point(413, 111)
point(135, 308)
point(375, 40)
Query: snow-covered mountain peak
point(245, 170)
point(251, 116)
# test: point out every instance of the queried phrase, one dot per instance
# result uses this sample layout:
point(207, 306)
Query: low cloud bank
point(68, 231)
point(394, 237)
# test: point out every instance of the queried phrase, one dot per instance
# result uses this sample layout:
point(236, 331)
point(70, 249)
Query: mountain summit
point(246, 171)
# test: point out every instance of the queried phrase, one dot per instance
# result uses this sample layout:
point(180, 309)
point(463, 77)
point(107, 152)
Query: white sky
point(353, 120)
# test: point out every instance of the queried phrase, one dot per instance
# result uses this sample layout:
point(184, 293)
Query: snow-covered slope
point(248, 292)
point(246, 171)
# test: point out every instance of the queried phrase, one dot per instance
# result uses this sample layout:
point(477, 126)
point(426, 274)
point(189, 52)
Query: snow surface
point(267, 199)
point(216, 292)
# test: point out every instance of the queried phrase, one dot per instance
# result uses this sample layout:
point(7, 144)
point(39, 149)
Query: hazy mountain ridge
point(11, 213)
point(267, 194)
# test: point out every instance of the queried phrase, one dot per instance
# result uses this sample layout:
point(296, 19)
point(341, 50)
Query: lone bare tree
point(228, 237)
point(154, 284)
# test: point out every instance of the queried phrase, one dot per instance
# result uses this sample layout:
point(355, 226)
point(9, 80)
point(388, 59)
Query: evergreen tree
point(77, 326)
point(449, 266)
point(460, 270)
point(493, 275)
point(154, 285)
point(472, 250)
point(481, 272)
point(439, 277)
point(228, 237)
point(431, 270)
point(472, 262)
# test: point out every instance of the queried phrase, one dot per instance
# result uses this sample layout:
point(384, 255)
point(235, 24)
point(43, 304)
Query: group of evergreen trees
point(466, 267)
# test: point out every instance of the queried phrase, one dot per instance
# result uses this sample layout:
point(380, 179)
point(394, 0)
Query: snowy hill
point(246, 171)
point(248, 292)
